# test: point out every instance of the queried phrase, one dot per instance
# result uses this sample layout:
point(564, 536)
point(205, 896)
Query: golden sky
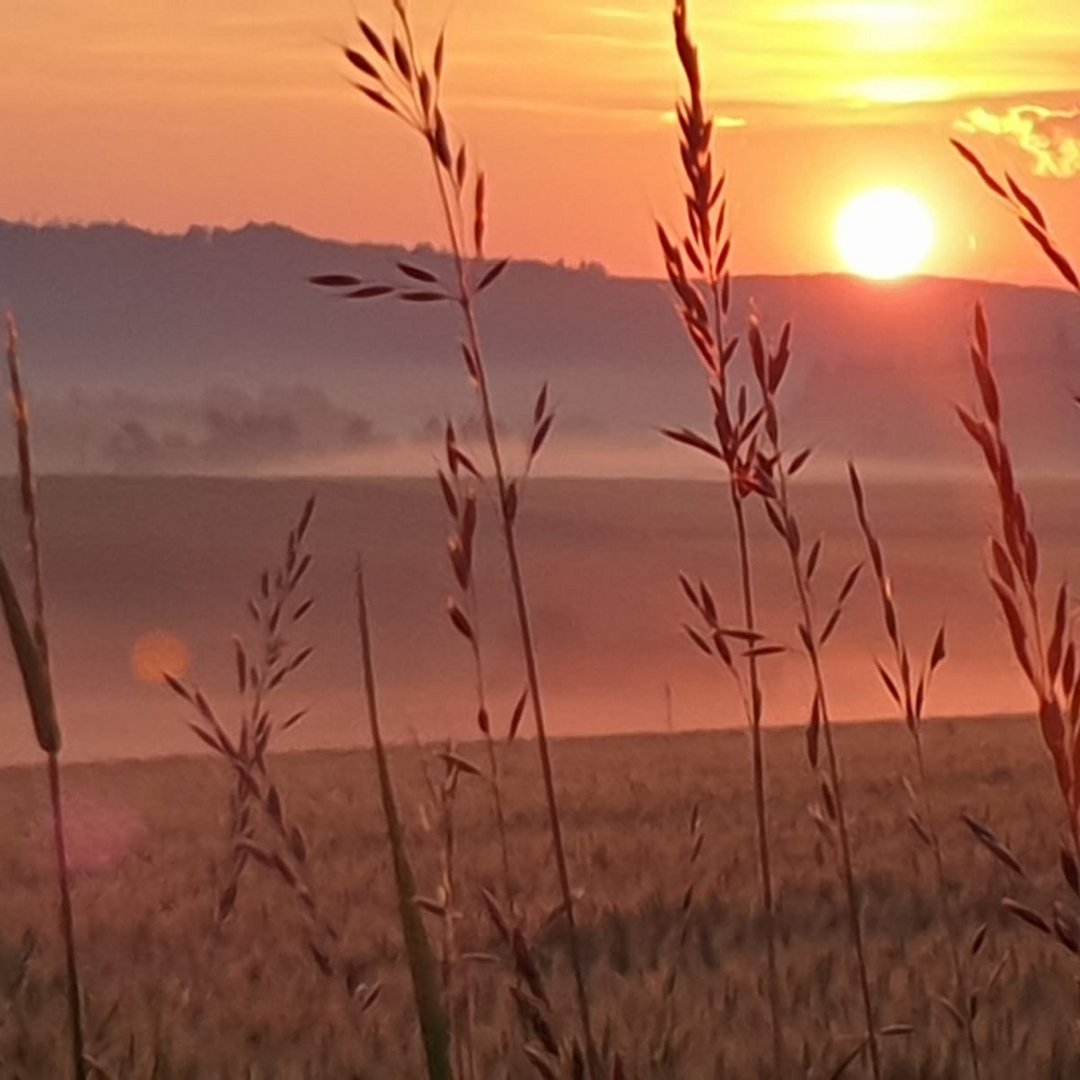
point(165, 114)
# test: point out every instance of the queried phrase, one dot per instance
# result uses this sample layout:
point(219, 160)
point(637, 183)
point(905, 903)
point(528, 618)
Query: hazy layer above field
point(129, 557)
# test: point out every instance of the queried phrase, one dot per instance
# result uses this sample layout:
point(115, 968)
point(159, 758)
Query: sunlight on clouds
point(872, 13)
point(1050, 136)
point(167, 113)
point(881, 27)
point(904, 90)
point(623, 14)
point(859, 53)
point(587, 39)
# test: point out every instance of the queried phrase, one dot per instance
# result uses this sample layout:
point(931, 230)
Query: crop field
point(174, 993)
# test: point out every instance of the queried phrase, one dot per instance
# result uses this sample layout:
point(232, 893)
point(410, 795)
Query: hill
point(208, 352)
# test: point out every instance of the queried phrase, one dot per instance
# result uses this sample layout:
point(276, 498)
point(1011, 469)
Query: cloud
point(621, 14)
point(1050, 136)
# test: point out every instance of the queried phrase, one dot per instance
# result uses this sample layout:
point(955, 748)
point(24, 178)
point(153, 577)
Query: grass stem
point(434, 1028)
point(29, 639)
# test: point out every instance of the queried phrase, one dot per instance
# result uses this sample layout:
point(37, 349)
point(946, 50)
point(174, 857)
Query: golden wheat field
point(172, 994)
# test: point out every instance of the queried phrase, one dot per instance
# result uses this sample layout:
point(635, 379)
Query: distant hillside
point(208, 352)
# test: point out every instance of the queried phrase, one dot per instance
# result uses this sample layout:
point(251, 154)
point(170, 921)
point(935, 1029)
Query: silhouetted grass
point(30, 643)
point(697, 264)
point(776, 464)
point(430, 1008)
point(397, 79)
point(909, 689)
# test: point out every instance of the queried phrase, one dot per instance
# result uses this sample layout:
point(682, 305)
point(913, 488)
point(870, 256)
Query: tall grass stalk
point(29, 639)
point(775, 468)
point(431, 1013)
point(462, 506)
point(1045, 646)
point(697, 268)
point(909, 693)
point(261, 831)
point(396, 79)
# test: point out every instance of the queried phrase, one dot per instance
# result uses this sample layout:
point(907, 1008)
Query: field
point(170, 991)
point(125, 557)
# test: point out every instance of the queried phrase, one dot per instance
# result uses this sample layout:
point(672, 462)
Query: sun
point(885, 233)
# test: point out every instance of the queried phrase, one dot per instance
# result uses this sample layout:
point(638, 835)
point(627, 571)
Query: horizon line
point(590, 267)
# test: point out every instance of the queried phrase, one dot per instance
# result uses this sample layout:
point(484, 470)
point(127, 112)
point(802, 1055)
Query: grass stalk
point(261, 830)
point(67, 921)
point(397, 80)
point(508, 495)
point(761, 814)
point(434, 1028)
point(548, 772)
point(29, 639)
point(442, 801)
point(1027, 212)
point(851, 888)
point(702, 290)
point(1045, 647)
point(774, 471)
point(909, 693)
point(462, 506)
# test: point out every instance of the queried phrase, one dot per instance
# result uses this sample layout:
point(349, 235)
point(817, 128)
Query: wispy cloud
point(1050, 136)
point(619, 14)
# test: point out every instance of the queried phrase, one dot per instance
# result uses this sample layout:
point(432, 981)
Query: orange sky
point(224, 111)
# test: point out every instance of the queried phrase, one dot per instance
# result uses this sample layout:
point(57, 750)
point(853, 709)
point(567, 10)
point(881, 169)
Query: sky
point(225, 111)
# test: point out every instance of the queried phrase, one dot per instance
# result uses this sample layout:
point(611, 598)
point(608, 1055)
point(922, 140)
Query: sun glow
point(885, 233)
point(903, 90)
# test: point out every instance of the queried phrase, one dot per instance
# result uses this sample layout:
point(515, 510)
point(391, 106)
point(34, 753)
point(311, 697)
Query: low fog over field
point(129, 557)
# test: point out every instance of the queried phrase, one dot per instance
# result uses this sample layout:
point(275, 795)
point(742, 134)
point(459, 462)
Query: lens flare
point(158, 653)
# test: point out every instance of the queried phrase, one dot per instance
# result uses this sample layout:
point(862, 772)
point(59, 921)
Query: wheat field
point(171, 994)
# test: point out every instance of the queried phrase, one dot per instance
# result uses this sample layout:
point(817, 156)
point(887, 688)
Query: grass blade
point(434, 1028)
